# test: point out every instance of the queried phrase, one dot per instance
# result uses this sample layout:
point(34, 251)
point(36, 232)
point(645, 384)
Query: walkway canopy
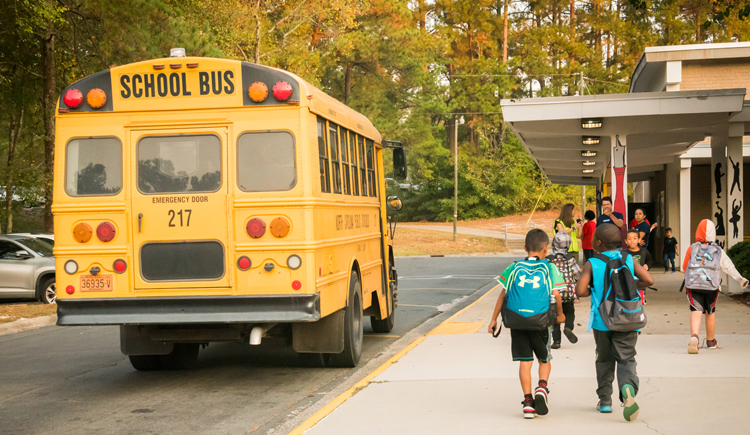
point(572, 138)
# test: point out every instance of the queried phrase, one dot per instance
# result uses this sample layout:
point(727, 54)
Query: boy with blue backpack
point(530, 304)
point(616, 317)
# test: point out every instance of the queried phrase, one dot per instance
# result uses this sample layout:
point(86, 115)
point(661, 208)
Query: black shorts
point(702, 300)
point(525, 344)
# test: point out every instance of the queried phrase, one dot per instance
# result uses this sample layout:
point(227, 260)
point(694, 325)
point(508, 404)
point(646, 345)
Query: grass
point(12, 312)
point(424, 242)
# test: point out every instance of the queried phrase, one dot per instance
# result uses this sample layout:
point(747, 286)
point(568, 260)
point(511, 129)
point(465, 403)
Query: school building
point(678, 137)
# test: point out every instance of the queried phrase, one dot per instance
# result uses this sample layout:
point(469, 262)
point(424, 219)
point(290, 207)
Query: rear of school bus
point(188, 210)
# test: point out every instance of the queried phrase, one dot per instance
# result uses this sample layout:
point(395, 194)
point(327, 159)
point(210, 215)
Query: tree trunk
point(505, 33)
point(257, 32)
point(14, 129)
point(49, 102)
point(348, 82)
point(421, 15)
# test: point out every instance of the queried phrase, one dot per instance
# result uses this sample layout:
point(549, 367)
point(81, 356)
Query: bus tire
point(145, 363)
point(386, 325)
point(353, 332)
point(183, 356)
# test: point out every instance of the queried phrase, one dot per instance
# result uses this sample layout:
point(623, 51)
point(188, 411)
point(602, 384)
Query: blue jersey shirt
point(597, 286)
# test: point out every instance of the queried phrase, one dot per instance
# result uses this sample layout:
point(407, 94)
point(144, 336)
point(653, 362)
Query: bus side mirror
point(399, 164)
point(394, 203)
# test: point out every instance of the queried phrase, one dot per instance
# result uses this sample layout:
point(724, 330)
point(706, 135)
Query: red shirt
point(588, 234)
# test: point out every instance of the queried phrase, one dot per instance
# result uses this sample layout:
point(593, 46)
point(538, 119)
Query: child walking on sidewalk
point(615, 350)
point(703, 264)
point(570, 271)
point(529, 286)
point(640, 256)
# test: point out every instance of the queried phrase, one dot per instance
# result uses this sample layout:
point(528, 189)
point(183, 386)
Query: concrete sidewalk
point(461, 380)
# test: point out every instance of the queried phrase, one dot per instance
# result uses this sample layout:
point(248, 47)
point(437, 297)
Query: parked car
point(45, 237)
point(27, 269)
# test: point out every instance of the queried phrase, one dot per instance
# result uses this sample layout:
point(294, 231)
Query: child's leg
point(710, 326)
point(556, 334)
point(671, 259)
point(524, 373)
point(695, 322)
point(623, 348)
point(605, 366)
point(545, 368)
point(666, 263)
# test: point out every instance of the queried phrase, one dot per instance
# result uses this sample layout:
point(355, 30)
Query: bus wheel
point(145, 363)
point(385, 325)
point(183, 356)
point(352, 327)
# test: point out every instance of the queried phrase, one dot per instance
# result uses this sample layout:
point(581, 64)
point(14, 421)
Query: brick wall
point(715, 74)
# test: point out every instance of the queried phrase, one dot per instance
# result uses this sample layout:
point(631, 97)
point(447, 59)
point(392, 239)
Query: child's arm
point(728, 267)
point(644, 277)
point(687, 258)
point(496, 312)
point(558, 304)
point(649, 261)
point(582, 287)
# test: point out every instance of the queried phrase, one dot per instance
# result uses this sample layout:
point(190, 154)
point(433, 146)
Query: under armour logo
point(534, 281)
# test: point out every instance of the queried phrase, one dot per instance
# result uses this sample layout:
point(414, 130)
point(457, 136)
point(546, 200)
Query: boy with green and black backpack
point(616, 317)
point(570, 271)
point(530, 303)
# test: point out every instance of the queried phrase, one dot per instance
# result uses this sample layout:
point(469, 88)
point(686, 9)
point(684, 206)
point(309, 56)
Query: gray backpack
point(704, 268)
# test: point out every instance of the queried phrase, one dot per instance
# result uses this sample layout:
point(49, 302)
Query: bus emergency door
point(179, 208)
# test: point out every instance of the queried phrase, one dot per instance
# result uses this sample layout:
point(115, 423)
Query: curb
point(26, 324)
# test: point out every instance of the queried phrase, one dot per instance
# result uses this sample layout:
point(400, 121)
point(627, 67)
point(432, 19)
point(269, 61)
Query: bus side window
point(343, 135)
point(93, 167)
point(371, 168)
point(325, 184)
point(353, 153)
point(362, 164)
point(333, 141)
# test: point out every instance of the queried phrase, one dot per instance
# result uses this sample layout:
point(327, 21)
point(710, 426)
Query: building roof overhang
point(656, 126)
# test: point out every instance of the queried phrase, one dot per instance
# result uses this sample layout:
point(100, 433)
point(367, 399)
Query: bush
point(740, 256)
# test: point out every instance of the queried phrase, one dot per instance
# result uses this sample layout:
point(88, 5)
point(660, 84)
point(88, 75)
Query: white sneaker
point(693, 345)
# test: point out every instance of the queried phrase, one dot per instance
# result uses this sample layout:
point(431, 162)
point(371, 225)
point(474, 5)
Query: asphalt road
point(75, 380)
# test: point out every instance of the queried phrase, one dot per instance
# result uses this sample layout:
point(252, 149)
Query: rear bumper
point(194, 309)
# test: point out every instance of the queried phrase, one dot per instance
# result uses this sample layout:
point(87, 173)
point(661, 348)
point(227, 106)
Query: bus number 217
point(179, 213)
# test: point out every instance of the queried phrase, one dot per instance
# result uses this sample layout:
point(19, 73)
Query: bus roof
point(196, 83)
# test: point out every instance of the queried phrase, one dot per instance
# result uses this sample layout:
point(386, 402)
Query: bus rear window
point(93, 167)
point(174, 164)
point(266, 162)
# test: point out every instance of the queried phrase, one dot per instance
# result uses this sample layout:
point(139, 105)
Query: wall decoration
point(735, 176)
point(720, 230)
point(735, 217)
point(717, 179)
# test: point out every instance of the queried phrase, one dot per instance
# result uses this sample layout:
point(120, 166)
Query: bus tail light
point(82, 232)
point(294, 262)
point(105, 231)
point(73, 98)
point(70, 289)
point(296, 285)
point(120, 266)
point(258, 92)
point(282, 91)
point(279, 227)
point(255, 228)
point(244, 263)
point(96, 98)
point(71, 267)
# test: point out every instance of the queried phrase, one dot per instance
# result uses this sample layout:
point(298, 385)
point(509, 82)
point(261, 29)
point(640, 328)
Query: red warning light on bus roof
point(73, 98)
point(282, 91)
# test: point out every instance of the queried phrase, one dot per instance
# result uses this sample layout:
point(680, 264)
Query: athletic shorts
point(525, 344)
point(702, 300)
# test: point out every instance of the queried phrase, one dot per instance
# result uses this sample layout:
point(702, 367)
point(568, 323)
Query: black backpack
point(621, 308)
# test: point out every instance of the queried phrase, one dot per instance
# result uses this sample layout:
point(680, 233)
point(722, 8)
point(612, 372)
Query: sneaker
point(630, 407)
point(666, 272)
point(540, 400)
point(604, 409)
point(556, 345)
point(712, 344)
point(528, 408)
point(571, 336)
point(693, 345)
point(673, 271)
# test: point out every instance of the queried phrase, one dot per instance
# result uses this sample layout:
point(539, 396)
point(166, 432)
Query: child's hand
point(493, 325)
point(561, 318)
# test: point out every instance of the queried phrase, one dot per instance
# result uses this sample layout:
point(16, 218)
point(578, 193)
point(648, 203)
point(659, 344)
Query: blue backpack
point(528, 302)
point(621, 308)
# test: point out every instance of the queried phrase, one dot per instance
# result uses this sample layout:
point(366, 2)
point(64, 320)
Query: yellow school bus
point(201, 200)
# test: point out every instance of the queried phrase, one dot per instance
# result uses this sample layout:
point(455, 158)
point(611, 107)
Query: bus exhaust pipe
point(258, 332)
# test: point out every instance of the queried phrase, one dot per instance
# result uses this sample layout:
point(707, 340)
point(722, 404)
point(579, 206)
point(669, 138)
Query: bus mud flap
point(136, 340)
point(324, 336)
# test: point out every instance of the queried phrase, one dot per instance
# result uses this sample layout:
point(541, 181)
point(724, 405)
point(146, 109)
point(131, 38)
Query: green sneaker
point(630, 407)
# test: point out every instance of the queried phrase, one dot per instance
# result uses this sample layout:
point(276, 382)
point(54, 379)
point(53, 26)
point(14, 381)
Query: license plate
point(99, 283)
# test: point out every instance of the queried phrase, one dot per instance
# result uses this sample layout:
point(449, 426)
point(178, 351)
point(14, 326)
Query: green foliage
point(740, 256)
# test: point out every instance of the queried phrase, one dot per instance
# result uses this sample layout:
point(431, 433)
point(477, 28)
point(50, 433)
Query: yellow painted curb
point(354, 389)
point(454, 328)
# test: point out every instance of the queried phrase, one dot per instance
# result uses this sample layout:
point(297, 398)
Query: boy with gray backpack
point(616, 316)
point(704, 262)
